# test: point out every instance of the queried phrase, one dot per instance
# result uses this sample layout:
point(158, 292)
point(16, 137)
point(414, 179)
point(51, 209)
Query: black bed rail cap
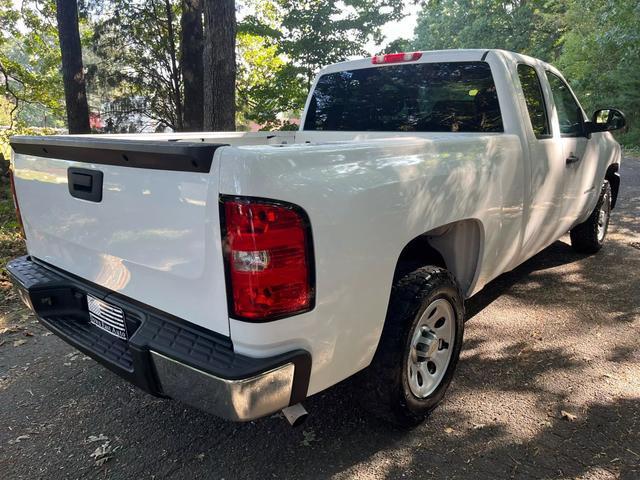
point(163, 154)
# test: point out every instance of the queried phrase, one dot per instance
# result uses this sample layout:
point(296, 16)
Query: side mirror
point(607, 120)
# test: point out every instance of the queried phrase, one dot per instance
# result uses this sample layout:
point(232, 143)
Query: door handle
point(85, 184)
point(572, 159)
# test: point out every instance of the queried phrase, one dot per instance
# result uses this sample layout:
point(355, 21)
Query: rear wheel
point(589, 236)
point(419, 348)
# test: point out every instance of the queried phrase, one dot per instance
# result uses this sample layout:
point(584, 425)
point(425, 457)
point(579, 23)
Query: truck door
point(581, 159)
point(546, 165)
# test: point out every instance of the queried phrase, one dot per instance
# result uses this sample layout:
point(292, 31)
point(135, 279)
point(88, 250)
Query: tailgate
point(136, 217)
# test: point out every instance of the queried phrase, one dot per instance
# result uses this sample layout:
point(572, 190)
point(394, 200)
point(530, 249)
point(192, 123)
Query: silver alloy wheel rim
point(431, 348)
point(603, 218)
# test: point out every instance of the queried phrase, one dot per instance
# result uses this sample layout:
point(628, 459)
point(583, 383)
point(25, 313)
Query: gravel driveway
point(548, 387)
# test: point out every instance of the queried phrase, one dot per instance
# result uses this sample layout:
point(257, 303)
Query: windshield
point(423, 97)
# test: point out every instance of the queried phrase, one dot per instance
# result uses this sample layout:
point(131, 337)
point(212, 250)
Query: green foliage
point(398, 45)
point(130, 51)
point(133, 67)
point(6, 109)
point(600, 57)
point(5, 134)
point(534, 27)
point(283, 44)
point(11, 243)
point(596, 43)
point(30, 62)
point(315, 33)
point(267, 85)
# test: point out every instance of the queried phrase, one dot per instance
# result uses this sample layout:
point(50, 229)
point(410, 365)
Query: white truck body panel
point(489, 201)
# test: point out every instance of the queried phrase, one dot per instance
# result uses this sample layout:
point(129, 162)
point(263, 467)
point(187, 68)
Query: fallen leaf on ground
point(17, 343)
point(102, 460)
point(9, 330)
point(102, 450)
point(309, 436)
point(97, 438)
point(19, 439)
point(631, 451)
point(101, 454)
point(568, 416)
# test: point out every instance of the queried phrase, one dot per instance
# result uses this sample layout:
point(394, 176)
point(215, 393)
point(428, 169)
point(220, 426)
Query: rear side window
point(534, 99)
point(569, 111)
point(426, 97)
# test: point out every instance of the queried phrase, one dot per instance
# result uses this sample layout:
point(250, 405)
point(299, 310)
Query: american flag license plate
point(107, 317)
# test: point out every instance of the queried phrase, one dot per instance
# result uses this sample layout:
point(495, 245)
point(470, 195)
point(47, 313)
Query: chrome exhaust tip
point(295, 414)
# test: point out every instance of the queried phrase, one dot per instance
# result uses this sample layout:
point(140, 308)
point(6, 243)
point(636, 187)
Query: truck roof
point(429, 56)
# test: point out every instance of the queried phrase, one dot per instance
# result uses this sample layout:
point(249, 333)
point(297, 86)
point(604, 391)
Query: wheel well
point(417, 253)
point(455, 246)
point(613, 176)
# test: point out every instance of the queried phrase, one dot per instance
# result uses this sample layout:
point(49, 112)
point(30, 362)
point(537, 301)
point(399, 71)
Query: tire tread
point(382, 380)
point(584, 237)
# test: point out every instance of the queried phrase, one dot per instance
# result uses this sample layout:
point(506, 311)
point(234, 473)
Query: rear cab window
point(424, 97)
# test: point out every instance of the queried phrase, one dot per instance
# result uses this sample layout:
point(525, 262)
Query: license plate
point(107, 317)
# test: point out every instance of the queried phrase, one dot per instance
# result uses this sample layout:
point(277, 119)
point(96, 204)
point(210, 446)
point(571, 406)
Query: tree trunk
point(175, 72)
point(191, 58)
point(219, 65)
point(75, 93)
point(4, 168)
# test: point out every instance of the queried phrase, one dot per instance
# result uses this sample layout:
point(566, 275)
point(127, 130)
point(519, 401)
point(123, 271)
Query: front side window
point(534, 99)
point(424, 97)
point(569, 112)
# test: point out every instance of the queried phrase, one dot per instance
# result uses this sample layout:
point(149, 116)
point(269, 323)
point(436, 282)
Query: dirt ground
point(548, 387)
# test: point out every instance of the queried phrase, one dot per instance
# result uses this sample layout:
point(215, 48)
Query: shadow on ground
point(60, 399)
point(548, 387)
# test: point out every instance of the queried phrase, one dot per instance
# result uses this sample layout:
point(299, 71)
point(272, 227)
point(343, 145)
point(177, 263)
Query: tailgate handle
point(572, 159)
point(85, 184)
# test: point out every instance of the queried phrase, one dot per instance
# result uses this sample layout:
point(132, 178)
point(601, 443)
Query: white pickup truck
point(243, 272)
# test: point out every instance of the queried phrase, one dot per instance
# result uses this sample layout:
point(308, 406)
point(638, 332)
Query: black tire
point(584, 237)
point(384, 385)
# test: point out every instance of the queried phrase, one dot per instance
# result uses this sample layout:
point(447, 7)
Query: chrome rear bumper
point(236, 400)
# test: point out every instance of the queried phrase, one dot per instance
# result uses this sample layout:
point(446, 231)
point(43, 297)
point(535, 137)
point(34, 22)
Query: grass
point(631, 151)
point(11, 242)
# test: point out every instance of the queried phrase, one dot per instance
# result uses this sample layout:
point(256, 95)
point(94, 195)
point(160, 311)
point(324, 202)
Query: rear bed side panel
point(154, 237)
point(366, 200)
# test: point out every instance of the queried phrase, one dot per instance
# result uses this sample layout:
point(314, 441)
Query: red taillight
point(268, 257)
point(396, 58)
point(15, 202)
